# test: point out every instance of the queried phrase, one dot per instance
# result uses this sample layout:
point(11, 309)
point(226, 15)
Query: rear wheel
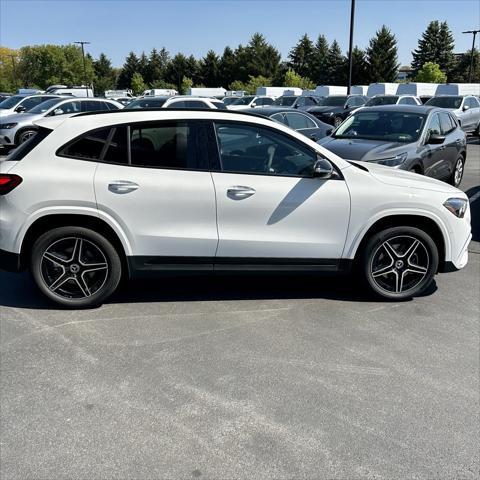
point(75, 267)
point(25, 135)
point(457, 174)
point(400, 262)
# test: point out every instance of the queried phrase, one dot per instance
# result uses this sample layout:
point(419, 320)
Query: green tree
point(461, 69)
point(227, 67)
point(436, 45)
point(301, 57)
point(186, 85)
point(209, 70)
point(129, 68)
point(293, 79)
point(143, 65)
point(382, 56)
point(237, 85)
point(319, 73)
point(138, 85)
point(104, 74)
point(9, 79)
point(431, 73)
point(335, 65)
point(360, 74)
point(177, 68)
point(157, 64)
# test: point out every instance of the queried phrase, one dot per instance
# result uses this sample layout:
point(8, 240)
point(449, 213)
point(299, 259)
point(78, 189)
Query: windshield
point(382, 100)
point(11, 102)
point(229, 100)
point(46, 105)
point(387, 126)
point(285, 101)
point(338, 101)
point(146, 103)
point(444, 102)
point(243, 100)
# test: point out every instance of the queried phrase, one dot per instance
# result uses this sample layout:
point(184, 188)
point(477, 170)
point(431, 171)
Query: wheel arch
point(423, 222)
point(47, 222)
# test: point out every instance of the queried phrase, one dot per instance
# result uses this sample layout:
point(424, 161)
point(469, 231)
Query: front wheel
point(400, 262)
point(457, 174)
point(75, 266)
point(26, 135)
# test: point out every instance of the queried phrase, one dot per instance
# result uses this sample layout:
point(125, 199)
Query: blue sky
point(195, 26)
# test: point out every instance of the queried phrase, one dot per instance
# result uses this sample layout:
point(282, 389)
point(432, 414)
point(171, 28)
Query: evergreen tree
point(157, 63)
point(129, 68)
point(227, 67)
point(461, 69)
point(382, 56)
point(318, 71)
point(335, 65)
point(360, 75)
point(301, 57)
point(259, 58)
point(209, 70)
point(143, 65)
point(104, 74)
point(193, 70)
point(180, 66)
point(436, 46)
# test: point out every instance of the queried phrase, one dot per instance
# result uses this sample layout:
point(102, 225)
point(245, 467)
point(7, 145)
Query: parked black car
point(302, 102)
point(334, 109)
point(422, 139)
point(302, 122)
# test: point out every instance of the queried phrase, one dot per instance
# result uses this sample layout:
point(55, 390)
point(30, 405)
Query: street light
point(84, 66)
point(350, 56)
point(474, 33)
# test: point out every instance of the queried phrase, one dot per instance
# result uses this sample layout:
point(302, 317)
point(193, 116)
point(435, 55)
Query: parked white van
point(159, 92)
point(326, 90)
point(382, 89)
point(278, 91)
point(207, 92)
point(458, 89)
point(359, 90)
point(81, 91)
point(418, 89)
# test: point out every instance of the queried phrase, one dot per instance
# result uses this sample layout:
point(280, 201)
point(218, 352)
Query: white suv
point(93, 197)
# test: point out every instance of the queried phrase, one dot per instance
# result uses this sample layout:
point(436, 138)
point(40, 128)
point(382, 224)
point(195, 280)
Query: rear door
point(154, 181)
point(270, 209)
point(450, 151)
point(435, 157)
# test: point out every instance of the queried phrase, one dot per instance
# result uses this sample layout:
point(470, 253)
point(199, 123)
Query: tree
point(177, 68)
point(129, 68)
point(138, 85)
point(436, 45)
point(335, 65)
point(461, 69)
point(360, 74)
point(293, 79)
point(143, 62)
point(431, 73)
point(318, 70)
point(9, 80)
point(186, 85)
point(382, 56)
point(104, 74)
point(157, 64)
point(258, 58)
point(209, 70)
point(227, 67)
point(301, 57)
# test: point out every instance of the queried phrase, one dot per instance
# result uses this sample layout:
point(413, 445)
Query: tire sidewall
point(452, 178)
point(374, 243)
point(111, 255)
point(22, 133)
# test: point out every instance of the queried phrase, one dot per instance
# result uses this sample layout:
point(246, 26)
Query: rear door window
point(297, 121)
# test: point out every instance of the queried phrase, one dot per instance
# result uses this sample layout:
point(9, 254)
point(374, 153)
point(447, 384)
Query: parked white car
point(22, 103)
point(251, 101)
point(93, 197)
point(18, 128)
point(187, 101)
point(466, 109)
point(378, 100)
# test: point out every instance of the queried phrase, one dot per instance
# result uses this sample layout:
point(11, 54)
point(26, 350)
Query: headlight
point(458, 206)
point(6, 126)
point(393, 161)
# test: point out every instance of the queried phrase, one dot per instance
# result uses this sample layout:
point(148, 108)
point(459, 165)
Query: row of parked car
point(394, 130)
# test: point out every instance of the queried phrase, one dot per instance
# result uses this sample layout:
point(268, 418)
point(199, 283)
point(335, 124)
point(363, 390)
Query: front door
point(269, 206)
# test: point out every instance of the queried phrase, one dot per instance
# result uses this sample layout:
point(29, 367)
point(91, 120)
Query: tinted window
point(112, 106)
point(46, 105)
point(31, 102)
point(297, 121)
point(445, 102)
point(117, 151)
point(25, 148)
point(68, 107)
point(472, 102)
point(11, 102)
point(220, 105)
point(382, 125)
point(166, 145)
point(381, 100)
point(333, 101)
point(434, 125)
point(446, 123)
point(91, 106)
point(147, 103)
point(309, 102)
point(88, 146)
point(229, 100)
point(188, 104)
point(243, 100)
point(286, 101)
point(280, 118)
point(252, 149)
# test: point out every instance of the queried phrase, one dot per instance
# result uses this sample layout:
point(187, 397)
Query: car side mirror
point(322, 169)
point(436, 139)
point(465, 108)
point(20, 109)
point(253, 105)
point(58, 111)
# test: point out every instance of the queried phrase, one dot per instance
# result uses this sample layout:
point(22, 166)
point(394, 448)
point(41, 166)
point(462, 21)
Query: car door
point(154, 182)
point(450, 151)
point(434, 160)
point(475, 107)
point(269, 206)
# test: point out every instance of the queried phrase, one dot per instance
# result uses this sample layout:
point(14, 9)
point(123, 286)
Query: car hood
point(408, 180)
point(361, 149)
point(4, 113)
point(21, 118)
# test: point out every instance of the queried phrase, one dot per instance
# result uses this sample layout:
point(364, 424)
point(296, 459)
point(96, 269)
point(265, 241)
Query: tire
point(75, 267)
point(399, 263)
point(337, 121)
point(25, 135)
point(456, 177)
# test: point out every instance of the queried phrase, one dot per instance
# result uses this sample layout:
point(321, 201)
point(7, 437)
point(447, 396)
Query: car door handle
point(240, 192)
point(122, 186)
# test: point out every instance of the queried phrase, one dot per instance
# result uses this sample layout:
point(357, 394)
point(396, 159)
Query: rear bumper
point(9, 261)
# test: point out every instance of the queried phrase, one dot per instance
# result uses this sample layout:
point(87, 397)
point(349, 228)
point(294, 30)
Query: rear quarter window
point(25, 148)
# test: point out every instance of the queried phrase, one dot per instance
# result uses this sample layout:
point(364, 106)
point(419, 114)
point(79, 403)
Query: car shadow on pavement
point(474, 195)
point(19, 290)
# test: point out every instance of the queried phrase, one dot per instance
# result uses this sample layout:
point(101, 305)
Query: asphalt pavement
point(222, 378)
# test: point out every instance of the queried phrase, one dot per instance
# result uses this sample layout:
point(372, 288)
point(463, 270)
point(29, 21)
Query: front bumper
point(7, 137)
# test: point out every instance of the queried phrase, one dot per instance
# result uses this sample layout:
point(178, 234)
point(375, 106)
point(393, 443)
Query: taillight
point(9, 182)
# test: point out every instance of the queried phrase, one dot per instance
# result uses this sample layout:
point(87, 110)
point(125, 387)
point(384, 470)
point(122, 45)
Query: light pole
point(474, 33)
point(350, 55)
point(84, 66)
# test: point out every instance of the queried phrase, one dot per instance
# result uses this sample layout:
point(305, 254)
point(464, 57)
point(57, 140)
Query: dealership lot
point(245, 377)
